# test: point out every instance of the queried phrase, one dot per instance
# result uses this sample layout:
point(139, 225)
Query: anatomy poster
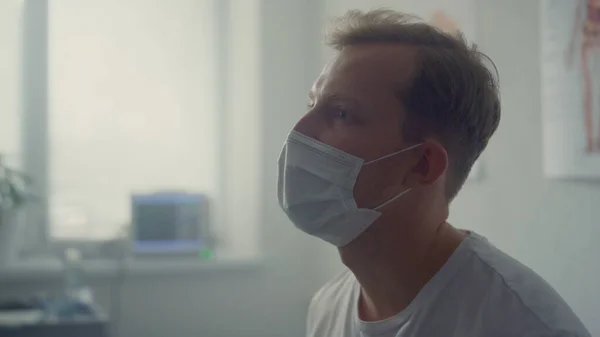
point(570, 65)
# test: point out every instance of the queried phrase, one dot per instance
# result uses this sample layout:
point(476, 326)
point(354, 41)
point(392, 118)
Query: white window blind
point(133, 108)
point(10, 126)
point(10, 15)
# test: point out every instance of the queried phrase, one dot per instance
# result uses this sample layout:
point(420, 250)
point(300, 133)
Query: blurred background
point(138, 150)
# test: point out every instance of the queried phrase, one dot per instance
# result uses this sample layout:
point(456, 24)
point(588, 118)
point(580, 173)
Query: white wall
point(552, 226)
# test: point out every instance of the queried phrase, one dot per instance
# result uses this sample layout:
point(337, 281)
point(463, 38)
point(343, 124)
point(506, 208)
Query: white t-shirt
point(480, 291)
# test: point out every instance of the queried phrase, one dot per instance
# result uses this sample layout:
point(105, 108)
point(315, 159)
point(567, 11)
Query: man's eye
point(341, 114)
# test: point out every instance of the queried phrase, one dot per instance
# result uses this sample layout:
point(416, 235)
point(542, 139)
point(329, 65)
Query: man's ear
point(430, 163)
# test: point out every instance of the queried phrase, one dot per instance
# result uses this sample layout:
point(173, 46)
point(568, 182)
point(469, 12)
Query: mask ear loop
point(391, 200)
point(385, 157)
point(392, 154)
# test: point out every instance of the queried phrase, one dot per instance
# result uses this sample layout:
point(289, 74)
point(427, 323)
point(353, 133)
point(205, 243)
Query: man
point(394, 124)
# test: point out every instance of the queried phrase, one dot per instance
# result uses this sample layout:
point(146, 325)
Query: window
point(10, 142)
point(9, 71)
point(143, 96)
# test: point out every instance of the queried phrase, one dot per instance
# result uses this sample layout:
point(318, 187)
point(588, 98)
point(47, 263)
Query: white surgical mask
point(316, 189)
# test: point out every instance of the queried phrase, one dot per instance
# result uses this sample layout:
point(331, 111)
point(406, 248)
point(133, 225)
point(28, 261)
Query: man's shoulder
point(332, 302)
point(337, 289)
point(516, 293)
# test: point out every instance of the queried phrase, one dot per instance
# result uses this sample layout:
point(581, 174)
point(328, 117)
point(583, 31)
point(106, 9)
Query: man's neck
point(392, 269)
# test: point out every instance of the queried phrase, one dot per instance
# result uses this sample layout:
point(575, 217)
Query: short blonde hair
point(453, 94)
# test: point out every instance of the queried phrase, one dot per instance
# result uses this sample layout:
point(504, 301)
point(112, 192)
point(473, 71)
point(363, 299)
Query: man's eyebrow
point(337, 97)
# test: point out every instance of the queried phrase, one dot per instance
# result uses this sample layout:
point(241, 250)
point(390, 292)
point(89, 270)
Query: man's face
point(353, 106)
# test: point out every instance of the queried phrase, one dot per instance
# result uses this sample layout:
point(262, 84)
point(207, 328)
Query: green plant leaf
point(14, 187)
